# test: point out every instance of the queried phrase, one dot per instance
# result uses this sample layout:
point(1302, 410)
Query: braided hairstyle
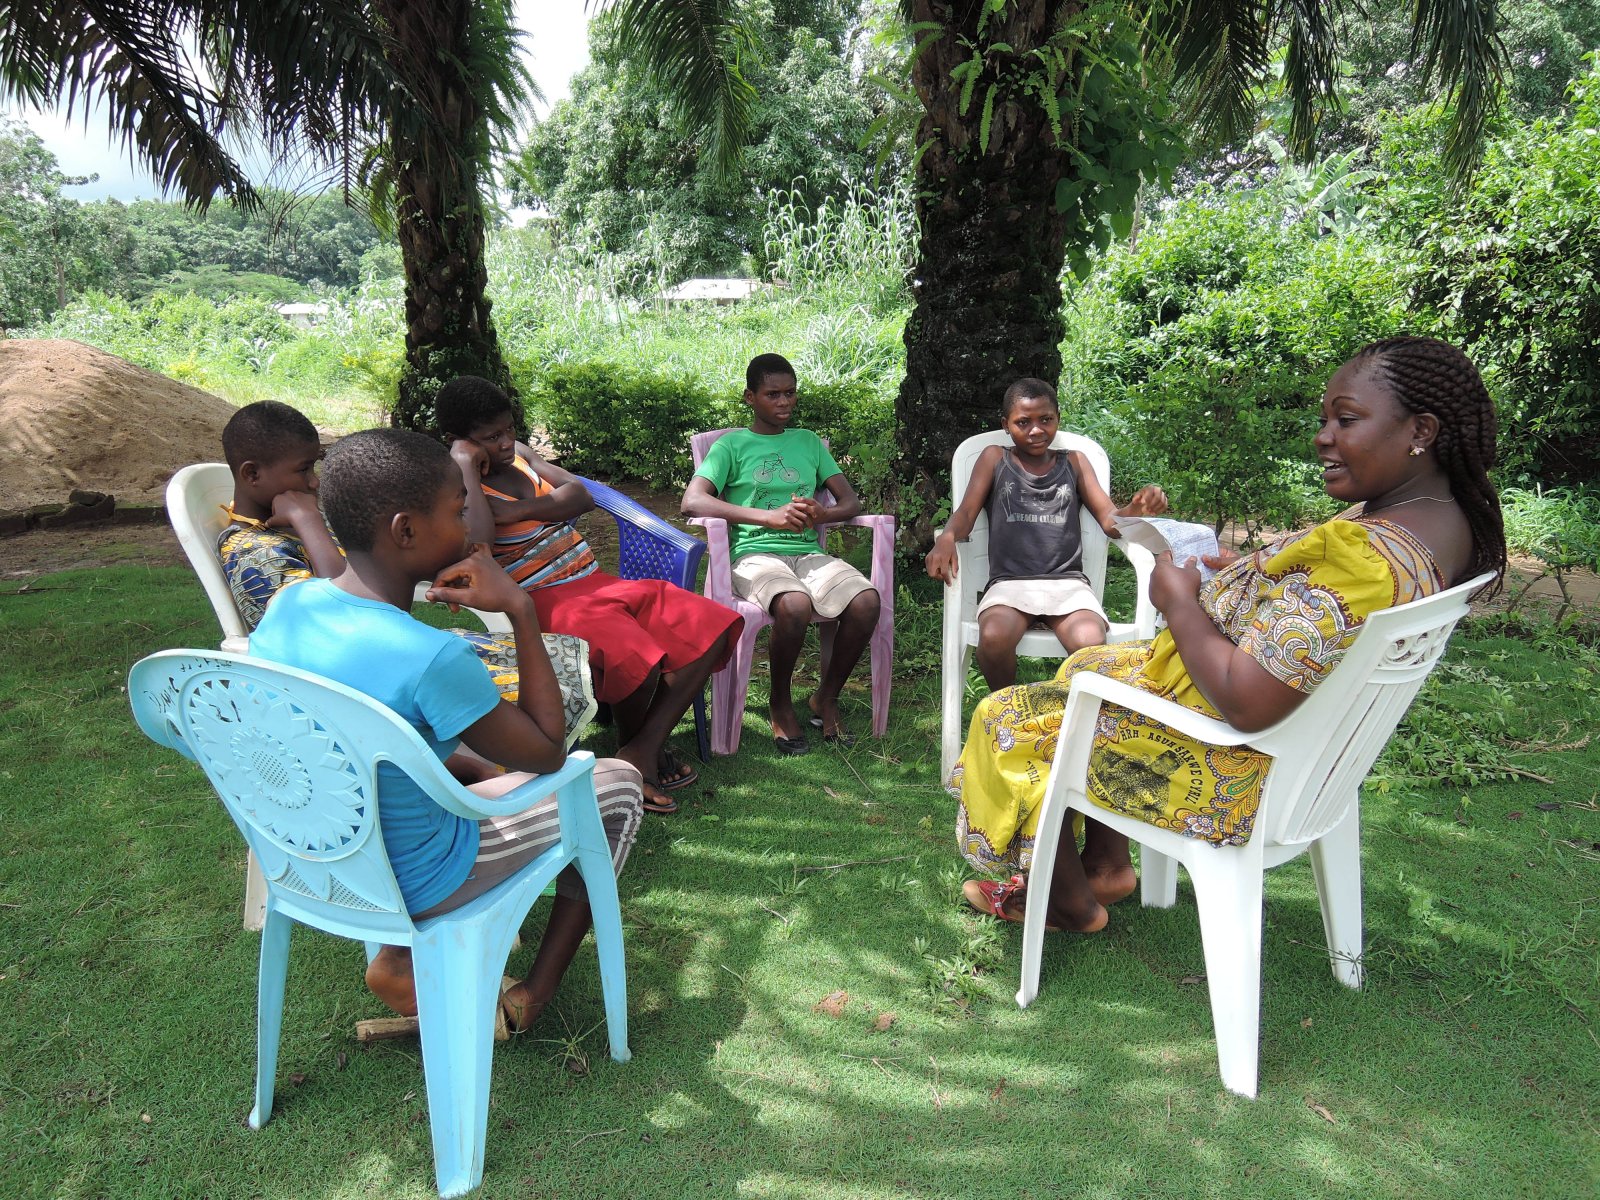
point(1426, 375)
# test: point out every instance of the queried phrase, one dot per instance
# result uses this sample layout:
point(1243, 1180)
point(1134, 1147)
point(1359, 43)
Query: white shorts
point(1043, 597)
point(830, 582)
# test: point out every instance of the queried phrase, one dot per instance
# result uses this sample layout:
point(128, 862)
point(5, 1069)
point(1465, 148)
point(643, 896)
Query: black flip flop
point(791, 746)
point(678, 764)
point(655, 806)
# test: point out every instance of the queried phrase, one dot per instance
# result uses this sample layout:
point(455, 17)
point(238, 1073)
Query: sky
point(555, 44)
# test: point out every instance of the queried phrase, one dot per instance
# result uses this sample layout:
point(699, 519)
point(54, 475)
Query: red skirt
point(634, 626)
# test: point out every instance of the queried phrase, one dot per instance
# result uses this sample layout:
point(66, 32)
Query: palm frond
point(1310, 69)
point(132, 61)
point(1218, 52)
point(694, 48)
point(1459, 41)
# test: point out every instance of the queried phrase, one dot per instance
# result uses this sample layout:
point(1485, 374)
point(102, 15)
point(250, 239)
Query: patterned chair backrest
point(294, 759)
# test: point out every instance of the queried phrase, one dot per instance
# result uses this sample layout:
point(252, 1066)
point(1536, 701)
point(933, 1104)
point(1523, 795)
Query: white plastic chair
point(196, 500)
point(730, 685)
point(972, 560)
point(1309, 803)
point(295, 760)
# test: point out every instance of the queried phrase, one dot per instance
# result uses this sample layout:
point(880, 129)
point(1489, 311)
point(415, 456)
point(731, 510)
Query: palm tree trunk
point(439, 209)
point(987, 307)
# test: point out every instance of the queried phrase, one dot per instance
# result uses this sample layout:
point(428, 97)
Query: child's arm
point(700, 499)
point(298, 511)
point(846, 503)
point(473, 462)
point(568, 499)
point(530, 735)
point(941, 560)
point(1147, 501)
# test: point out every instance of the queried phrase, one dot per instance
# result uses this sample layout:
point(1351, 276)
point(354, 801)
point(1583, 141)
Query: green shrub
point(1560, 527)
point(1198, 355)
point(858, 421)
point(622, 423)
point(1509, 269)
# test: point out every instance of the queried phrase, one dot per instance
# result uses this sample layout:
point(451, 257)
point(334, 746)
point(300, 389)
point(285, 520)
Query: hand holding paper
point(1182, 539)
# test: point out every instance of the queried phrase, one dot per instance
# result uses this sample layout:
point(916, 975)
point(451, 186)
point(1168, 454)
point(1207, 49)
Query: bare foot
point(825, 713)
point(785, 722)
point(1091, 920)
point(521, 1007)
point(1112, 882)
point(389, 979)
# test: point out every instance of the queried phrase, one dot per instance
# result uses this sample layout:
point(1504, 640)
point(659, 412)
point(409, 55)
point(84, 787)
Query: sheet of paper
point(1186, 539)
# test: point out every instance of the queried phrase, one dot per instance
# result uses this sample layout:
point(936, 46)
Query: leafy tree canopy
point(625, 176)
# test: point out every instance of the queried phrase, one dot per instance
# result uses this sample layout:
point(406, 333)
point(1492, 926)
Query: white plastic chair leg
point(1228, 894)
point(1336, 866)
point(1052, 816)
point(1158, 879)
point(255, 894)
point(952, 690)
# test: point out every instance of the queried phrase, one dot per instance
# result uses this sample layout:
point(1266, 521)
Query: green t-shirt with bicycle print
point(761, 470)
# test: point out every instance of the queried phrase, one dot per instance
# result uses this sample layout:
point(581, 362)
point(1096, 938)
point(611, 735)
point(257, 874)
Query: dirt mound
point(72, 416)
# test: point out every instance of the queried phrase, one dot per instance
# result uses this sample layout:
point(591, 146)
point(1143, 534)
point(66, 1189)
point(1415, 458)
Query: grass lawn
point(1469, 1065)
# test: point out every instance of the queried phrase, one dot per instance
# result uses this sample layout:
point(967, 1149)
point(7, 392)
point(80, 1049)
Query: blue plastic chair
point(294, 758)
point(649, 548)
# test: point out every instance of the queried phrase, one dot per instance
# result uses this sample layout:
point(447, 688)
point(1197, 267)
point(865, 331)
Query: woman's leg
point(1106, 862)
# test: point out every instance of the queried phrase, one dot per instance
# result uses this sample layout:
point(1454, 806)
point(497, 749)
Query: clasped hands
point(802, 512)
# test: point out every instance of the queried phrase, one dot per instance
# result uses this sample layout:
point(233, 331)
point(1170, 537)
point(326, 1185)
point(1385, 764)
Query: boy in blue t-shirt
point(396, 502)
point(762, 481)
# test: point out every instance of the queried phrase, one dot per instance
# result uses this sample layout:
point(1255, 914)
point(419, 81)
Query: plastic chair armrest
point(1143, 562)
point(719, 570)
point(456, 798)
point(624, 508)
point(882, 526)
point(1175, 716)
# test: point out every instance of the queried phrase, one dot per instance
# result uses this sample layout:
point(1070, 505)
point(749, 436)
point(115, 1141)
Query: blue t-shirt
point(431, 678)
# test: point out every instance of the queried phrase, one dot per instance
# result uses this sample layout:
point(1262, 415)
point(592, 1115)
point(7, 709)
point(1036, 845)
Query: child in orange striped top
point(652, 645)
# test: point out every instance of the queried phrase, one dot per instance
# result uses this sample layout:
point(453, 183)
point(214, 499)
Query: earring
point(1415, 451)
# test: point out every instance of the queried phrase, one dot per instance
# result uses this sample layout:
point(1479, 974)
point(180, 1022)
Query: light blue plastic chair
point(294, 758)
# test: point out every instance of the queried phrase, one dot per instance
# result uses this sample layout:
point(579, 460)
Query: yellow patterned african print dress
point(1294, 606)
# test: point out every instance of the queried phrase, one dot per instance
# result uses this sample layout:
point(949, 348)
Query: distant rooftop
point(717, 291)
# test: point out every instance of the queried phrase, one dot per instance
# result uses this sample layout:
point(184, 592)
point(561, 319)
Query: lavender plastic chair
point(650, 548)
point(730, 685)
point(294, 759)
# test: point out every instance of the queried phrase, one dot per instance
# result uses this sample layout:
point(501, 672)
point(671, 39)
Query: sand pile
point(72, 416)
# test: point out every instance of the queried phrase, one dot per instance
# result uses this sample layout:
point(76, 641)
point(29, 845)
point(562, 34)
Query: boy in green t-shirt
point(761, 481)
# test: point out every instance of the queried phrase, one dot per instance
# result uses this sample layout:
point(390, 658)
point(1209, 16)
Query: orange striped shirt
point(539, 553)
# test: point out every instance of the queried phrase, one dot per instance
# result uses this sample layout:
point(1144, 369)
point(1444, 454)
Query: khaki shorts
point(1042, 597)
point(830, 582)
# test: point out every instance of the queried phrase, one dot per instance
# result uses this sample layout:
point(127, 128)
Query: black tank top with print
point(1033, 522)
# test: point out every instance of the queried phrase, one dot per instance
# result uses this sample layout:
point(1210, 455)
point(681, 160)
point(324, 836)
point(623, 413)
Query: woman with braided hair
point(1407, 437)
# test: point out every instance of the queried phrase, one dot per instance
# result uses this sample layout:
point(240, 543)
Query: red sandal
point(989, 896)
